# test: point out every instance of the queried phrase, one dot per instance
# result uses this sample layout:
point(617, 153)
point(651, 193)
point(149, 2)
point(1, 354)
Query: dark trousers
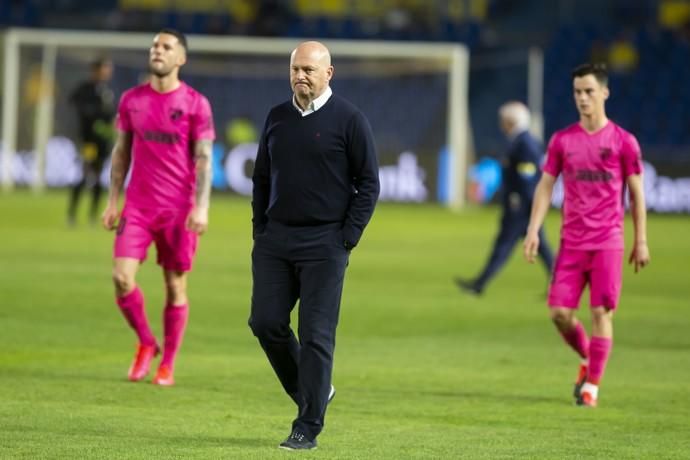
point(305, 263)
point(91, 177)
point(513, 228)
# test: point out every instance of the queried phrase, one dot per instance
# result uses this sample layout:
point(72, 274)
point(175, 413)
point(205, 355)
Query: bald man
point(520, 176)
point(315, 188)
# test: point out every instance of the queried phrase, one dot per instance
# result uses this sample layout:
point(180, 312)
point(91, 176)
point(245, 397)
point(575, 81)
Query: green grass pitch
point(422, 371)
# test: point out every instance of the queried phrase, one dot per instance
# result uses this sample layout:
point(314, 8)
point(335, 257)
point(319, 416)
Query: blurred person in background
point(165, 132)
point(623, 57)
point(598, 160)
point(316, 183)
point(95, 105)
point(521, 172)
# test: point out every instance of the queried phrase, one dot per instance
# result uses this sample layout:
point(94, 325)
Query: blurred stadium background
point(519, 50)
point(423, 371)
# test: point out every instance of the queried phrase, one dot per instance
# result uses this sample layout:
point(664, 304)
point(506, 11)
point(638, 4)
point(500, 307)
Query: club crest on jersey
point(604, 153)
point(175, 114)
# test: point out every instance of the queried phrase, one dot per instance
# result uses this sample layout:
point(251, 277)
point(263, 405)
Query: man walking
point(315, 188)
point(165, 131)
point(597, 160)
point(520, 177)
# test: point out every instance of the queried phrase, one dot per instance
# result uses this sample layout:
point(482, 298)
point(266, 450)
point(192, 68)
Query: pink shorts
point(175, 244)
point(602, 269)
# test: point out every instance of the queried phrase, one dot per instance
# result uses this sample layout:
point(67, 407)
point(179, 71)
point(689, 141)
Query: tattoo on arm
point(121, 158)
point(202, 159)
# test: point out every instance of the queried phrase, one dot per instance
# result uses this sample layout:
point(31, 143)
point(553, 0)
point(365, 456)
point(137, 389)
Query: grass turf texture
point(422, 371)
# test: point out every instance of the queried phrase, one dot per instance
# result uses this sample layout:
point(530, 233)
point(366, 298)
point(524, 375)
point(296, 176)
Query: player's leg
point(567, 284)
point(176, 247)
point(131, 302)
point(573, 333)
point(175, 316)
point(131, 242)
point(605, 287)
point(599, 350)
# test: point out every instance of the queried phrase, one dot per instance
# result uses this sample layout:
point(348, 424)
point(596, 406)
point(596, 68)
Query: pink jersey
point(164, 127)
point(594, 167)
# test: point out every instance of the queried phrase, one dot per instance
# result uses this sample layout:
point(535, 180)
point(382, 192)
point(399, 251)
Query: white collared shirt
point(316, 104)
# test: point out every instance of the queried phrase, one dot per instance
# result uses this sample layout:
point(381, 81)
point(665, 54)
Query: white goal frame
point(455, 55)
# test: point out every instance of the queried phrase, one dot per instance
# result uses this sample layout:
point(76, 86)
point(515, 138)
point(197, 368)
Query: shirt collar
point(316, 104)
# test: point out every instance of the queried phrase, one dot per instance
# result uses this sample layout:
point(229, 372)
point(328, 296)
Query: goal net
point(414, 95)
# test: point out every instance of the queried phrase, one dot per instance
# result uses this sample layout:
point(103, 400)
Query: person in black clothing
point(315, 188)
point(95, 106)
point(520, 178)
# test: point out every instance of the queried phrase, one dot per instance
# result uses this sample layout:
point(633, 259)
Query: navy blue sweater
point(317, 169)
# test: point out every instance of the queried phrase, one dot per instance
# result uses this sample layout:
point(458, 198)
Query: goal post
point(404, 75)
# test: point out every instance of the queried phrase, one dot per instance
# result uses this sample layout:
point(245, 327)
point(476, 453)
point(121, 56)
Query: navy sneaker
point(468, 286)
point(297, 441)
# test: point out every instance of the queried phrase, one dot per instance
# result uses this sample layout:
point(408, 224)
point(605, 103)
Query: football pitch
point(421, 370)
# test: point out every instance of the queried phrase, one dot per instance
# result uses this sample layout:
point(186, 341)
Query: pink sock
point(577, 339)
point(132, 308)
point(174, 323)
point(599, 350)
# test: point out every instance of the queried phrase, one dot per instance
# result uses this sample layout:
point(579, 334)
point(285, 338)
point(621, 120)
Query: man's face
point(589, 95)
point(165, 55)
point(309, 73)
point(505, 124)
point(104, 72)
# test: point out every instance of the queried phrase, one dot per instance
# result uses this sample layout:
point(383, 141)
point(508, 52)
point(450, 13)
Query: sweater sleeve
point(261, 179)
point(364, 170)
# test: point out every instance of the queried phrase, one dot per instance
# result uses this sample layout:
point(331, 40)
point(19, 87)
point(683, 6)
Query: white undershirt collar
point(316, 104)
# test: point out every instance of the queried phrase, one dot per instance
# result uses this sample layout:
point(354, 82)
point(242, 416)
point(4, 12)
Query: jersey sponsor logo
point(161, 137)
point(587, 175)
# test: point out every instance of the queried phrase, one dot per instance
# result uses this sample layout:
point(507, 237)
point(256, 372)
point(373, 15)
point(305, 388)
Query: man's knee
point(602, 316)
point(175, 288)
point(563, 318)
point(123, 281)
point(268, 328)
